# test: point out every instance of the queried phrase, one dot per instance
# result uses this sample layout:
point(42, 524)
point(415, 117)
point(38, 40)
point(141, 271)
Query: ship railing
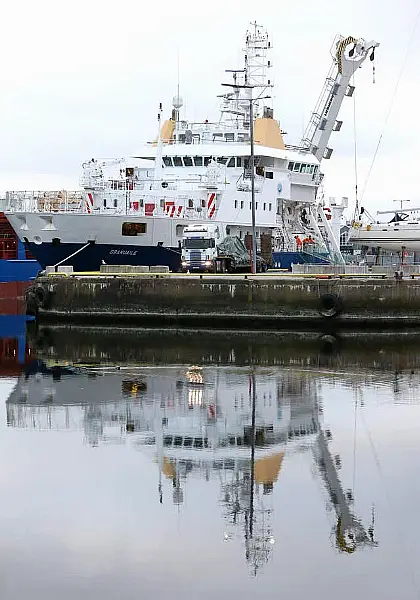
point(41, 201)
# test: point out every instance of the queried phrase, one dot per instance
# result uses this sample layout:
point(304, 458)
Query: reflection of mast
point(258, 534)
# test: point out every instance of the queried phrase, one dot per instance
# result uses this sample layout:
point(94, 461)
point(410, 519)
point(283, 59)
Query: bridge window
point(207, 159)
point(222, 160)
point(177, 161)
point(296, 168)
point(133, 229)
point(231, 162)
point(167, 161)
point(290, 166)
point(188, 162)
point(239, 161)
point(311, 169)
point(198, 161)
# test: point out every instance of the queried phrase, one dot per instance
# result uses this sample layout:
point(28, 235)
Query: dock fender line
point(330, 305)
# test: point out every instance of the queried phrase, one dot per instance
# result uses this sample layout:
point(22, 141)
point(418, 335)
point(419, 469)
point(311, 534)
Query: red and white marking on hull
point(211, 205)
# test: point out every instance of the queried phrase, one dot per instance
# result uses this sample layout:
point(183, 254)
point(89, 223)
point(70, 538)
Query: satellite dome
point(177, 102)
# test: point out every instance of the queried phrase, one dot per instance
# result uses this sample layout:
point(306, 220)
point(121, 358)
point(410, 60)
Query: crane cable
point(356, 207)
point(391, 106)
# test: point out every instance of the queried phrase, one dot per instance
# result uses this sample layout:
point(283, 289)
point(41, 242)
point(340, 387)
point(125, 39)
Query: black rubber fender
point(42, 296)
point(330, 305)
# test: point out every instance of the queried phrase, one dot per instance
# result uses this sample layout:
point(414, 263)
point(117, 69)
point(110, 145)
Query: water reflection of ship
point(197, 422)
point(14, 351)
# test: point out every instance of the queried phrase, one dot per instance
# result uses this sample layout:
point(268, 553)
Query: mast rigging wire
point(410, 41)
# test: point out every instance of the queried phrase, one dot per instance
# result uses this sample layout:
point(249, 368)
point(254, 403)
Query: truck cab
point(199, 247)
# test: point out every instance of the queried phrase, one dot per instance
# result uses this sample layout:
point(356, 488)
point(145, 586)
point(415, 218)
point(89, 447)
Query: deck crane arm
point(348, 55)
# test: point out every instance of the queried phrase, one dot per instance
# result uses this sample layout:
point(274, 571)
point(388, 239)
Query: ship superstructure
point(201, 171)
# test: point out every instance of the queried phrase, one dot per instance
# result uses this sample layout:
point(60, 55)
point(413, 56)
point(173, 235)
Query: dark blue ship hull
point(93, 256)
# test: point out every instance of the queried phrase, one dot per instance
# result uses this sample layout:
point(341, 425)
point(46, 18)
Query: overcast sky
point(84, 78)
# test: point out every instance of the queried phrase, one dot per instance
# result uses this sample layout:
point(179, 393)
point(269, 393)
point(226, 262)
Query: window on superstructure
point(236, 204)
point(133, 229)
point(256, 206)
point(315, 169)
point(230, 137)
point(203, 203)
point(179, 230)
point(269, 175)
point(243, 137)
point(290, 166)
point(240, 234)
point(196, 138)
point(198, 161)
point(303, 168)
point(231, 162)
point(217, 137)
point(167, 161)
point(181, 138)
point(265, 206)
point(296, 168)
point(222, 160)
point(177, 161)
point(115, 203)
point(239, 161)
point(242, 203)
point(188, 161)
point(207, 159)
point(269, 206)
point(162, 203)
point(250, 205)
point(190, 203)
point(104, 202)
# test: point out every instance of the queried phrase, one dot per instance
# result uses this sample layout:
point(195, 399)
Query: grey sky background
point(84, 79)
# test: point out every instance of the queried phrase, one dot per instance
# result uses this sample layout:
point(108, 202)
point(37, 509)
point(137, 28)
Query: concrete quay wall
point(235, 301)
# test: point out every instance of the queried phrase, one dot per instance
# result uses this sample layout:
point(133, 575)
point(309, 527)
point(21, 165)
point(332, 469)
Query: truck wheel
point(230, 266)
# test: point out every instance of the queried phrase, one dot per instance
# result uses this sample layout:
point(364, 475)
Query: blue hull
point(18, 270)
point(93, 256)
point(285, 260)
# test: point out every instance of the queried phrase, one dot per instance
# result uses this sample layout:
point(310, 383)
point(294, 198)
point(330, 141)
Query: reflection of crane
point(349, 532)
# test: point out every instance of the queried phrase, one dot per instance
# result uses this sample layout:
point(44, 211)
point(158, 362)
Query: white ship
point(202, 171)
point(400, 233)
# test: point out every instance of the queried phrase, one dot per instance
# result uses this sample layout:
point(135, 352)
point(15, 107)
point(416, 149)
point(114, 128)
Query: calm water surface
point(127, 466)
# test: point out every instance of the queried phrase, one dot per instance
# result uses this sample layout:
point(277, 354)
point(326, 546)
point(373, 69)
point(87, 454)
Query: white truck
point(205, 249)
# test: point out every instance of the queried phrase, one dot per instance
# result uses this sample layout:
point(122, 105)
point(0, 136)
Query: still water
point(128, 469)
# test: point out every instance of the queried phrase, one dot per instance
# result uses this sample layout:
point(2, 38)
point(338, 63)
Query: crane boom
point(337, 85)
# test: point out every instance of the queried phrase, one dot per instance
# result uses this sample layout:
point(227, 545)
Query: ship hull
point(94, 255)
point(394, 239)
